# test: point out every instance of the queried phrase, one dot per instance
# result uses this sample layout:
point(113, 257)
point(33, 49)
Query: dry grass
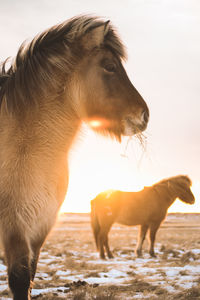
point(69, 267)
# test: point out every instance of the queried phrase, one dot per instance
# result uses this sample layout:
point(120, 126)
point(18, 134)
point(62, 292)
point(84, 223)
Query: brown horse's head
point(107, 100)
point(78, 66)
point(182, 184)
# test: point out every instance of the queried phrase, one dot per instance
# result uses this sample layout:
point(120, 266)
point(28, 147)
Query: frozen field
point(69, 266)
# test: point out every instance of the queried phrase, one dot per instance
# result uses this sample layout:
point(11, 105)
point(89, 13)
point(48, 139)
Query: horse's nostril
point(145, 116)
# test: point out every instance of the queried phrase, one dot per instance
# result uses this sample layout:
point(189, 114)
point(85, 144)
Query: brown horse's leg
point(17, 253)
point(141, 237)
point(152, 236)
point(101, 245)
point(103, 241)
point(109, 253)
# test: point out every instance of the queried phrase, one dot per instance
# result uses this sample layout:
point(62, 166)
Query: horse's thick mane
point(179, 179)
point(173, 183)
point(44, 64)
point(176, 184)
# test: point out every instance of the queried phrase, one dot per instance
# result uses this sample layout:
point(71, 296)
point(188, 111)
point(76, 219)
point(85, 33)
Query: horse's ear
point(95, 37)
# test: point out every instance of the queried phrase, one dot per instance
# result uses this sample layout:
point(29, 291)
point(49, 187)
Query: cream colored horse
point(70, 73)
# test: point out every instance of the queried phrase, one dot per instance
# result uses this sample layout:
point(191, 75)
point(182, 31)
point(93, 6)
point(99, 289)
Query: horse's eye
point(110, 68)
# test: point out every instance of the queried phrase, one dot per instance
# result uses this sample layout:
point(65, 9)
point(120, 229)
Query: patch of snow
point(62, 273)
point(44, 253)
point(75, 277)
point(145, 260)
point(140, 296)
point(76, 253)
point(114, 273)
point(63, 277)
point(47, 260)
point(104, 280)
point(50, 266)
point(181, 252)
point(44, 275)
point(187, 284)
point(169, 288)
point(191, 269)
point(172, 272)
point(195, 251)
point(99, 280)
point(145, 270)
point(3, 287)
point(36, 292)
point(3, 267)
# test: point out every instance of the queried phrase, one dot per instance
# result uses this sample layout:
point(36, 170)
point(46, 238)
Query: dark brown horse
point(146, 208)
point(70, 73)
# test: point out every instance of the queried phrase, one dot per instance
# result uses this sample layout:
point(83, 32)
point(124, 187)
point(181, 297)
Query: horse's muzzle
point(134, 125)
point(145, 116)
point(192, 201)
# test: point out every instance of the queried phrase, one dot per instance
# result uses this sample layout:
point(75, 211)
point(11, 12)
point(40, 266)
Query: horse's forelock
point(115, 44)
point(82, 25)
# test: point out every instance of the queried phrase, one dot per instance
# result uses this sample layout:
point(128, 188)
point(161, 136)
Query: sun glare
point(98, 123)
point(98, 164)
point(95, 123)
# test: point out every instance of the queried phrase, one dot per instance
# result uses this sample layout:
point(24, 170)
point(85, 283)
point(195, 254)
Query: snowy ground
point(69, 266)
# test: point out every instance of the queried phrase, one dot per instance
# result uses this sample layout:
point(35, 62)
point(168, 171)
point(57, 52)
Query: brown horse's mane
point(179, 180)
point(175, 183)
point(44, 64)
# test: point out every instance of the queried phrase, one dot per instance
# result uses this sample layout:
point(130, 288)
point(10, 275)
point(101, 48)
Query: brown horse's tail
point(94, 222)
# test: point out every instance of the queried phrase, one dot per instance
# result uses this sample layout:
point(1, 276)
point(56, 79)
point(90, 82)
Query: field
point(69, 266)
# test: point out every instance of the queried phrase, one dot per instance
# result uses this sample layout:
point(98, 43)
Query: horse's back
point(130, 208)
point(139, 208)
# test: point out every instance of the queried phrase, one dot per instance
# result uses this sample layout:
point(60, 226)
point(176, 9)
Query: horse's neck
point(61, 125)
point(172, 197)
point(166, 194)
point(48, 128)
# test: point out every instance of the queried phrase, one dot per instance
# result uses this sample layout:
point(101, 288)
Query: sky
point(162, 38)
